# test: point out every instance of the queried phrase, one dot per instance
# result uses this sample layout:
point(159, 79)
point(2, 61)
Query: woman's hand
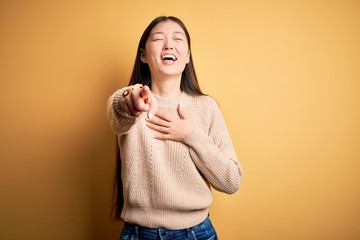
point(140, 100)
point(170, 128)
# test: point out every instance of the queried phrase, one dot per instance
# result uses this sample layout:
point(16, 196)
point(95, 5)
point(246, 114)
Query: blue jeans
point(202, 231)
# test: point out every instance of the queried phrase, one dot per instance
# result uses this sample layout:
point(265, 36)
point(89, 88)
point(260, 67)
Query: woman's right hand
point(140, 100)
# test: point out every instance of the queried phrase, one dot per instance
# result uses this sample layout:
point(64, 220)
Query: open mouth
point(169, 57)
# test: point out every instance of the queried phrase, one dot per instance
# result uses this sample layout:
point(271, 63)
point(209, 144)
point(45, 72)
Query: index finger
point(145, 92)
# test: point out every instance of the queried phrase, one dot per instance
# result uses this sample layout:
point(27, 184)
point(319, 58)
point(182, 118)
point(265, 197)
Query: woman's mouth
point(169, 57)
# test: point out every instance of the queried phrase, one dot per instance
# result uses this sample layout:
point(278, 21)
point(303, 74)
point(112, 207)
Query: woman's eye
point(157, 39)
point(178, 39)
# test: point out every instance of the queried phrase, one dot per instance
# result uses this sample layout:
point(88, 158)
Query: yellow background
point(285, 73)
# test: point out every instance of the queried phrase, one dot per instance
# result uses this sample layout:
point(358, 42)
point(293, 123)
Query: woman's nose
point(168, 45)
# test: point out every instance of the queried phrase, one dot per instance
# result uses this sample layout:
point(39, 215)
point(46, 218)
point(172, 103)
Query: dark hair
point(141, 71)
point(118, 196)
point(141, 74)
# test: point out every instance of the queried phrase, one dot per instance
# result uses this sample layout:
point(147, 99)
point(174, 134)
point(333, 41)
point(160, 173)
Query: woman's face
point(166, 50)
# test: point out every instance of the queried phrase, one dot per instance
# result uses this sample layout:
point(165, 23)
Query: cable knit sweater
point(167, 183)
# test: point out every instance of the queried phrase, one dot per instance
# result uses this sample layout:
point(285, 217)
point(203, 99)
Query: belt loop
point(136, 231)
point(188, 232)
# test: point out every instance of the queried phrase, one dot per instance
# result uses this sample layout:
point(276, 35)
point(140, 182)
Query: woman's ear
point(188, 57)
point(143, 56)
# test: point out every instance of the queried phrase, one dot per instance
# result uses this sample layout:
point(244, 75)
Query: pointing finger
point(145, 94)
point(152, 107)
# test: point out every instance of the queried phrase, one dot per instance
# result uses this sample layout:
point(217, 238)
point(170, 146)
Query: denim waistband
point(159, 233)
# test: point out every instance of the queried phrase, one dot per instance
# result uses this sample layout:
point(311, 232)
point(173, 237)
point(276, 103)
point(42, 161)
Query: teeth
point(169, 57)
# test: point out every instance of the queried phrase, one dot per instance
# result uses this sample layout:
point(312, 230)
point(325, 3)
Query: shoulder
point(206, 106)
point(205, 100)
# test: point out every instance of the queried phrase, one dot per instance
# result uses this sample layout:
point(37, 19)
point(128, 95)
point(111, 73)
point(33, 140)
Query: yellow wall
point(285, 73)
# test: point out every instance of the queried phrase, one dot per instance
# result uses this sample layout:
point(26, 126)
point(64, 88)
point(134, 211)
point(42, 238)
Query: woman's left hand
point(170, 128)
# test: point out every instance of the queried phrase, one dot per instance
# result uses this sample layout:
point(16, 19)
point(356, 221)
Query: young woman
point(173, 141)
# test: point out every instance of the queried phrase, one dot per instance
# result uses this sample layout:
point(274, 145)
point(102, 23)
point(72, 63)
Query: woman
point(173, 141)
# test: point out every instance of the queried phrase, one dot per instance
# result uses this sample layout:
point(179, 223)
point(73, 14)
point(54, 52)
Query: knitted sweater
point(167, 183)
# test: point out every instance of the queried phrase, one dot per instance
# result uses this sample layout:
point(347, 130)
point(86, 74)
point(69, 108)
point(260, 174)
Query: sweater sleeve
point(120, 121)
point(213, 153)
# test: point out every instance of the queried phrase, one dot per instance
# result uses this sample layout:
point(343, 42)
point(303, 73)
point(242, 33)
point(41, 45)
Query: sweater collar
point(165, 103)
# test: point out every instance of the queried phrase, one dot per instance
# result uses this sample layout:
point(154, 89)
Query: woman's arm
point(213, 152)
point(128, 103)
point(119, 119)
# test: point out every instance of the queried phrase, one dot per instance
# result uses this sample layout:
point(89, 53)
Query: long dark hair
point(118, 196)
point(141, 74)
point(141, 71)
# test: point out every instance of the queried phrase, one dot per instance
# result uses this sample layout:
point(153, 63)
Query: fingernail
point(181, 104)
point(150, 115)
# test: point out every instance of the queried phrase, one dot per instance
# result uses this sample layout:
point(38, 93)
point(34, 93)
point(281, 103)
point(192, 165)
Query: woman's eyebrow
point(178, 32)
point(157, 33)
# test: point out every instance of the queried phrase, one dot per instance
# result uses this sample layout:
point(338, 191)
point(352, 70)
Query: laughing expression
point(166, 50)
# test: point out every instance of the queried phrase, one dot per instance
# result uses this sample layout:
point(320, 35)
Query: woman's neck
point(166, 88)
